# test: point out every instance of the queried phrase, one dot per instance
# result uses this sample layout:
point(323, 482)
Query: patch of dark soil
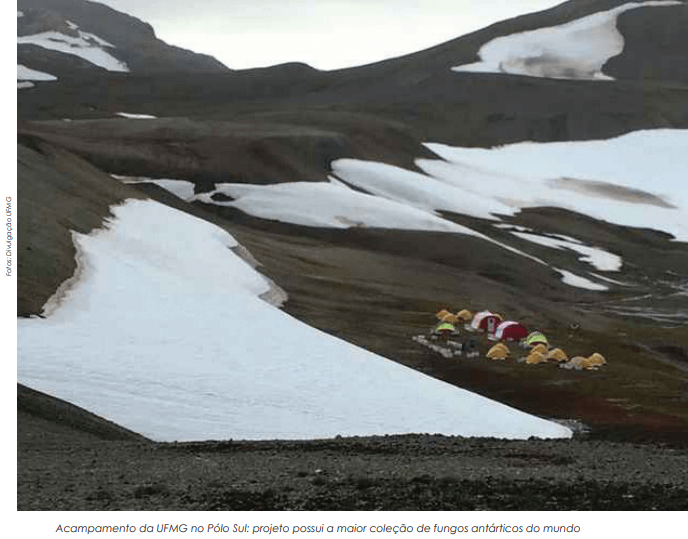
point(237, 500)
point(678, 353)
point(221, 197)
point(426, 493)
point(53, 411)
point(146, 491)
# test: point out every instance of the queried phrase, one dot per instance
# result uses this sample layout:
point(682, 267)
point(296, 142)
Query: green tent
point(536, 338)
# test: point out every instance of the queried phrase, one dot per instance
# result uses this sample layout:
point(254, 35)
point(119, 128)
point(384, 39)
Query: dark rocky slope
point(134, 40)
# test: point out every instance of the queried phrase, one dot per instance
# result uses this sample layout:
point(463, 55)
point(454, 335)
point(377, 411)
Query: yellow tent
point(540, 348)
point(450, 318)
point(556, 355)
point(597, 359)
point(534, 358)
point(498, 351)
point(594, 362)
point(465, 315)
point(444, 312)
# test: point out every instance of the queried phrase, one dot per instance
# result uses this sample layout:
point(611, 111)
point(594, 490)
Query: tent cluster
point(498, 329)
point(540, 353)
point(590, 363)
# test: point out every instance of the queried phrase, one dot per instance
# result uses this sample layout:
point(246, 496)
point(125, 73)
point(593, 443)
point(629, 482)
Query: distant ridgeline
point(59, 38)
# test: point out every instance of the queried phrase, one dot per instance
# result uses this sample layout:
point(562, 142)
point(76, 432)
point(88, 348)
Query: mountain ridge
point(135, 41)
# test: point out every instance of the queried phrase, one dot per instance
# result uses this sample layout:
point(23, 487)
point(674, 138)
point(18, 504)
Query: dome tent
point(557, 355)
point(444, 312)
point(535, 338)
point(465, 315)
point(539, 348)
point(498, 351)
point(596, 360)
point(485, 321)
point(450, 319)
point(535, 358)
point(511, 331)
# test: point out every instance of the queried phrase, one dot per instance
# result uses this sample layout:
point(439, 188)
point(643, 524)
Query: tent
point(450, 319)
point(465, 315)
point(595, 361)
point(511, 331)
point(498, 351)
point(557, 355)
point(535, 358)
point(535, 338)
point(540, 349)
point(445, 329)
point(444, 312)
point(485, 321)
point(503, 347)
point(591, 363)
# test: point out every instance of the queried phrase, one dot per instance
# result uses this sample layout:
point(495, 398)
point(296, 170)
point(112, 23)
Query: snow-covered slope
point(25, 76)
point(86, 46)
point(636, 180)
point(25, 73)
point(575, 50)
point(624, 180)
point(74, 37)
point(176, 344)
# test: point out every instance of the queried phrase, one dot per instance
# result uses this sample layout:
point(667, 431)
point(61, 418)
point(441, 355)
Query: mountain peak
point(48, 29)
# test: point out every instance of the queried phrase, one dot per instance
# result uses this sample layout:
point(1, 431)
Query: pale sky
point(326, 34)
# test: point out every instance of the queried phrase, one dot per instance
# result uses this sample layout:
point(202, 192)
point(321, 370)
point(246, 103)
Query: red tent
point(511, 331)
point(485, 321)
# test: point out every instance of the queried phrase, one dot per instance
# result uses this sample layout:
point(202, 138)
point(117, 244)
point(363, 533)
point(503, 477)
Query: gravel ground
point(66, 468)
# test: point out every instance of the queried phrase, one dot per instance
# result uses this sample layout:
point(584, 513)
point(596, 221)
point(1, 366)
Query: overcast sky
point(327, 34)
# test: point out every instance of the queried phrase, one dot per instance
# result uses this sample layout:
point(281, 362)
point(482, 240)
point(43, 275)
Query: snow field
point(86, 46)
point(528, 174)
point(136, 116)
point(635, 180)
point(580, 282)
point(575, 50)
point(162, 331)
point(25, 73)
point(599, 258)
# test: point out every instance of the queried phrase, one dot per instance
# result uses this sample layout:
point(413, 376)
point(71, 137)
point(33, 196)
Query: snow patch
point(520, 176)
point(572, 279)
point(24, 84)
point(20, 14)
point(136, 116)
point(575, 50)
point(612, 281)
point(26, 73)
point(175, 344)
point(599, 258)
point(326, 204)
point(86, 46)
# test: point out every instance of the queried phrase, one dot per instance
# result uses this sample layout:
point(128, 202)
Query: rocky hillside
point(69, 38)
